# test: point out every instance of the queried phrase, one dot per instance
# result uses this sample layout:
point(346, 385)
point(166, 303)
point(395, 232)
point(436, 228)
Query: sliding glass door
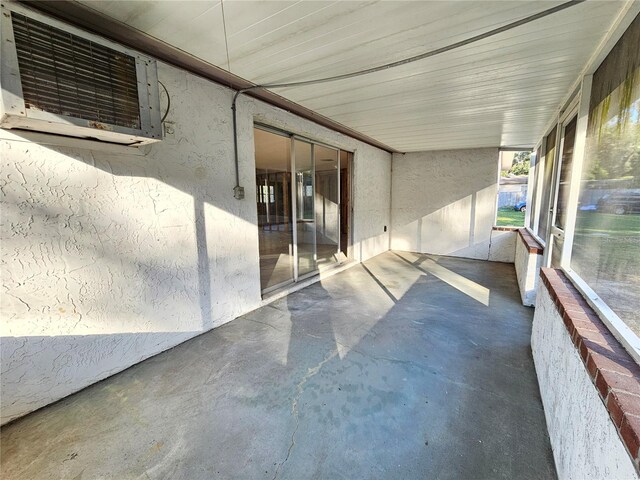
point(273, 199)
point(327, 204)
point(296, 179)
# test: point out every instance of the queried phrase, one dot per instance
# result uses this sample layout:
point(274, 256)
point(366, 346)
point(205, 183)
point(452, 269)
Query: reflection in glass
point(327, 207)
point(606, 248)
point(346, 159)
point(299, 179)
point(563, 189)
point(305, 221)
point(565, 173)
point(547, 181)
point(273, 198)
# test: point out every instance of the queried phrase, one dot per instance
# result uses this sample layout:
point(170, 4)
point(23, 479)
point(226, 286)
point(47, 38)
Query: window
point(565, 173)
point(606, 247)
point(547, 182)
point(512, 191)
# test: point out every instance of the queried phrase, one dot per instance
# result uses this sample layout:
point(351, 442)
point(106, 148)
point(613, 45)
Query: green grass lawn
point(508, 217)
point(607, 244)
point(605, 255)
point(607, 223)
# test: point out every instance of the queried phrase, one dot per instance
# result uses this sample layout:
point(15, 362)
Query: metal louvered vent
point(57, 79)
point(65, 74)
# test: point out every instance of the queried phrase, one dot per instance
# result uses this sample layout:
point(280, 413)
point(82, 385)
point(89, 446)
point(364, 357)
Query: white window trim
point(573, 198)
point(629, 340)
point(538, 187)
point(553, 231)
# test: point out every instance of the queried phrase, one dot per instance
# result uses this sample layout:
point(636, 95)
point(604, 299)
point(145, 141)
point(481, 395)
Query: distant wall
point(444, 202)
point(110, 257)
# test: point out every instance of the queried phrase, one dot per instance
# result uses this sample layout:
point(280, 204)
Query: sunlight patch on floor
point(457, 281)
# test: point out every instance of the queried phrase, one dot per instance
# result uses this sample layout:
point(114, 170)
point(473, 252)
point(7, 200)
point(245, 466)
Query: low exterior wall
point(503, 245)
point(528, 260)
point(586, 402)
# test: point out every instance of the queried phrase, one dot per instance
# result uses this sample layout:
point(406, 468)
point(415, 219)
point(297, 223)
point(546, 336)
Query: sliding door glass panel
point(273, 201)
point(345, 201)
point(327, 205)
point(305, 221)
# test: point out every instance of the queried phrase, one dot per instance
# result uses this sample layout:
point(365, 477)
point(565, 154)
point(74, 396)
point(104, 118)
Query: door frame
point(294, 208)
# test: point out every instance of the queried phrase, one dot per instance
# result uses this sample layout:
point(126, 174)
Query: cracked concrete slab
point(382, 371)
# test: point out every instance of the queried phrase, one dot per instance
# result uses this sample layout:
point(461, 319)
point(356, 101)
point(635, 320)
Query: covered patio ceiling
point(501, 91)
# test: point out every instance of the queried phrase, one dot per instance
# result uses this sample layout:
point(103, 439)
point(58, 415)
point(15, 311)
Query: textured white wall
point(110, 258)
point(444, 202)
point(527, 272)
point(583, 438)
point(502, 247)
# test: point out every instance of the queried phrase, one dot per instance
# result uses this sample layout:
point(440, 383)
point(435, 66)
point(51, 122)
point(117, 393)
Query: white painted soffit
point(500, 91)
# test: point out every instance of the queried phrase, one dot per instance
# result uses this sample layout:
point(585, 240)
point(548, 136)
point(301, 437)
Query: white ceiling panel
point(499, 91)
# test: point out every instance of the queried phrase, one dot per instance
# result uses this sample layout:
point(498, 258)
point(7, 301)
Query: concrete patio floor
point(406, 366)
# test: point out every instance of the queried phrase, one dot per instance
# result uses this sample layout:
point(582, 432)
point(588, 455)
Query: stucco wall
point(527, 272)
point(444, 202)
point(583, 438)
point(109, 258)
point(502, 247)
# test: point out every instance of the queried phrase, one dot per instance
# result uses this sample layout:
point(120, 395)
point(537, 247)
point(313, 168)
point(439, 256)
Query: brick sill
point(614, 373)
point(530, 242)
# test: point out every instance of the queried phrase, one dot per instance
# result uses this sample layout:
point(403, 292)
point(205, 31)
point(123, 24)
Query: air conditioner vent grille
point(64, 74)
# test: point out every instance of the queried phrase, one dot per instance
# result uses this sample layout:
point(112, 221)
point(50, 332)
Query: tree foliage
point(613, 142)
point(614, 152)
point(521, 163)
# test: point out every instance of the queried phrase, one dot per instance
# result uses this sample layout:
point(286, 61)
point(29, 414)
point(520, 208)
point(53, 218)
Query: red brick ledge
point(530, 242)
point(614, 373)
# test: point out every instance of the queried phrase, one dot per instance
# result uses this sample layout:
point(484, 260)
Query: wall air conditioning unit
point(61, 80)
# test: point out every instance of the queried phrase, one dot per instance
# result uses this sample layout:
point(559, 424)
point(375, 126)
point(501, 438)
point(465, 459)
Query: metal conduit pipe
point(238, 191)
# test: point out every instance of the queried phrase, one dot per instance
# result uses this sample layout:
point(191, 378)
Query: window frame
point(555, 232)
point(577, 102)
point(532, 194)
point(629, 340)
point(532, 224)
point(545, 158)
